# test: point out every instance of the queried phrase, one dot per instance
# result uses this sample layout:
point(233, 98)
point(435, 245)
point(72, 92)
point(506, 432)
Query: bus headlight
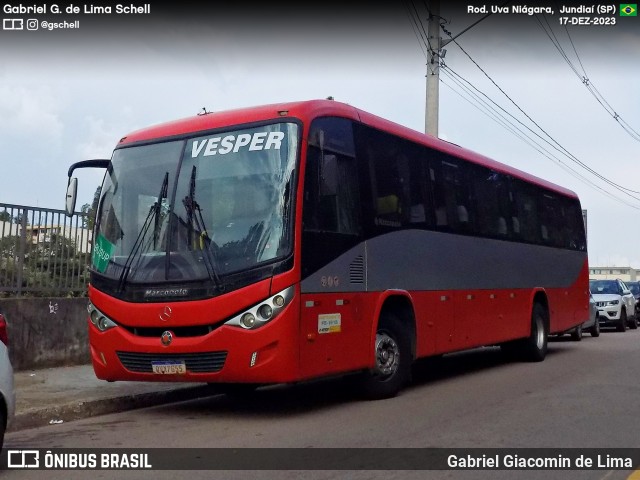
point(263, 312)
point(99, 319)
point(248, 320)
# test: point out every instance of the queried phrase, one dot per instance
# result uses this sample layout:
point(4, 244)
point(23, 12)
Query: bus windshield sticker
point(329, 323)
point(233, 143)
point(102, 253)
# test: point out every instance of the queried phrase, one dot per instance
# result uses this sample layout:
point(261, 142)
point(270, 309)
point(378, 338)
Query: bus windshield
point(197, 208)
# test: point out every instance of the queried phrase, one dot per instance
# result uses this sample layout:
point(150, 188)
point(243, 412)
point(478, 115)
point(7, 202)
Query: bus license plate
point(169, 368)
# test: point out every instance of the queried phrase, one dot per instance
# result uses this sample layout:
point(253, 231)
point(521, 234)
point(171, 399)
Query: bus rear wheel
point(392, 369)
point(576, 335)
point(595, 330)
point(535, 346)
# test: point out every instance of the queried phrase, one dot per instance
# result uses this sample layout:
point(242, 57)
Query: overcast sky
point(70, 95)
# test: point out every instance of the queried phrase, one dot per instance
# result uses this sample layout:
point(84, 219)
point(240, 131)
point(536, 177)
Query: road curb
point(38, 417)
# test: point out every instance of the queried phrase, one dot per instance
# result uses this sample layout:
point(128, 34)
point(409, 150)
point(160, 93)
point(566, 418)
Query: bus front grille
point(201, 362)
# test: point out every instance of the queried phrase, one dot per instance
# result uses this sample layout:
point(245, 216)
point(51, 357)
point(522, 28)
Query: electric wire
point(584, 77)
point(501, 120)
point(481, 105)
point(421, 39)
point(555, 145)
point(553, 141)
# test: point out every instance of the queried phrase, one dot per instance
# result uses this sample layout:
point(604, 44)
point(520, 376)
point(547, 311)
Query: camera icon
point(32, 24)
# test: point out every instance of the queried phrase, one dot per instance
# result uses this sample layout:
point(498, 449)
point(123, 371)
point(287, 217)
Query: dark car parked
point(592, 325)
point(635, 289)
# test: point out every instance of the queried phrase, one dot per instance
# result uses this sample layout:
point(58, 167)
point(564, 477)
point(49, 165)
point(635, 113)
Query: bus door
point(331, 335)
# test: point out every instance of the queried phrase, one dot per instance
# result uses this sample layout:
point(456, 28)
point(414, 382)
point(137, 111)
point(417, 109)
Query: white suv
point(7, 393)
point(616, 304)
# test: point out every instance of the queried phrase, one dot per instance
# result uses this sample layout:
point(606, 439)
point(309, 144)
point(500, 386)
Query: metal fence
point(43, 252)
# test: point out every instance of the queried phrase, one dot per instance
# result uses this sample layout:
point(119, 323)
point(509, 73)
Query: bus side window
point(526, 212)
point(452, 198)
point(463, 214)
point(331, 198)
point(516, 225)
point(439, 202)
point(502, 226)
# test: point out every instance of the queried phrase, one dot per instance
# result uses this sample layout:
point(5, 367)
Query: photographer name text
point(71, 9)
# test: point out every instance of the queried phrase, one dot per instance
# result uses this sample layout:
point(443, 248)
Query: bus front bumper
point(226, 355)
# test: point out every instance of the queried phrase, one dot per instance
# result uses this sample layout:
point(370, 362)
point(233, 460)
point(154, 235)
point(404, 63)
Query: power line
point(506, 123)
point(584, 78)
point(416, 30)
point(554, 143)
point(483, 106)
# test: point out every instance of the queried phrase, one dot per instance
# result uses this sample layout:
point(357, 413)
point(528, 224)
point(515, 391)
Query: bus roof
point(310, 109)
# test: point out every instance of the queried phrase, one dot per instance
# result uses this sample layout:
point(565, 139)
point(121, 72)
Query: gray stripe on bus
point(431, 261)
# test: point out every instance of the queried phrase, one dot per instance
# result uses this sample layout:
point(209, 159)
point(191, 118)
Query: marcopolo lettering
point(233, 143)
point(166, 292)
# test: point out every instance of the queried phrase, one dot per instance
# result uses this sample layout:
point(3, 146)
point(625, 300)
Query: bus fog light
point(278, 300)
point(104, 323)
point(248, 320)
point(265, 311)
point(95, 316)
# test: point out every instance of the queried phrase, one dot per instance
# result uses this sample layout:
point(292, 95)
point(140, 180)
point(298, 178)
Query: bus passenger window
point(463, 214)
point(441, 216)
point(417, 215)
point(544, 233)
point(516, 225)
point(502, 226)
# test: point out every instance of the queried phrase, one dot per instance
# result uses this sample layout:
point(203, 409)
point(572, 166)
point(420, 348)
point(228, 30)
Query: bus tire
point(595, 330)
point(576, 335)
point(535, 346)
point(393, 360)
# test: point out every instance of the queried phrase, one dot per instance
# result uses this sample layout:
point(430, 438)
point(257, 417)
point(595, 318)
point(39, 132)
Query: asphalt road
point(585, 394)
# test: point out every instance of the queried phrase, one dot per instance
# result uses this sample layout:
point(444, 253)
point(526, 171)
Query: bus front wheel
point(392, 351)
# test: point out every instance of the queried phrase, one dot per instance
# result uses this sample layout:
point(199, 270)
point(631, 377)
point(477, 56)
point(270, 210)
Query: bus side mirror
point(72, 191)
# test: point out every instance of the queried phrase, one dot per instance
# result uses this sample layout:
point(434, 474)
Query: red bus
point(287, 242)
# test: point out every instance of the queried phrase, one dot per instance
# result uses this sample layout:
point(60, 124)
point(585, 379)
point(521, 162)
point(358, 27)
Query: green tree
point(89, 219)
point(5, 216)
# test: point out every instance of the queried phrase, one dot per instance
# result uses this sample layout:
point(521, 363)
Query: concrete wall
point(46, 332)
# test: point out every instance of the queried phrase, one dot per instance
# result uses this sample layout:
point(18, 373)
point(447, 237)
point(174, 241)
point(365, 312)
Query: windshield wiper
point(158, 206)
point(194, 216)
point(154, 213)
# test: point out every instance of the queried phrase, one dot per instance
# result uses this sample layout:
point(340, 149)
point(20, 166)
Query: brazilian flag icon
point(629, 10)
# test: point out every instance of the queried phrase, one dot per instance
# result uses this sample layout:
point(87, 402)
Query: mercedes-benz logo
point(166, 338)
point(166, 313)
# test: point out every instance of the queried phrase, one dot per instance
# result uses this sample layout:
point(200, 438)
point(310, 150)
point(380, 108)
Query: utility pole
point(436, 52)
point(433, 70)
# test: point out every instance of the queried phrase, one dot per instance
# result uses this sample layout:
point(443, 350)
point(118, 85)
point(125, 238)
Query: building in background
point(626, 274)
